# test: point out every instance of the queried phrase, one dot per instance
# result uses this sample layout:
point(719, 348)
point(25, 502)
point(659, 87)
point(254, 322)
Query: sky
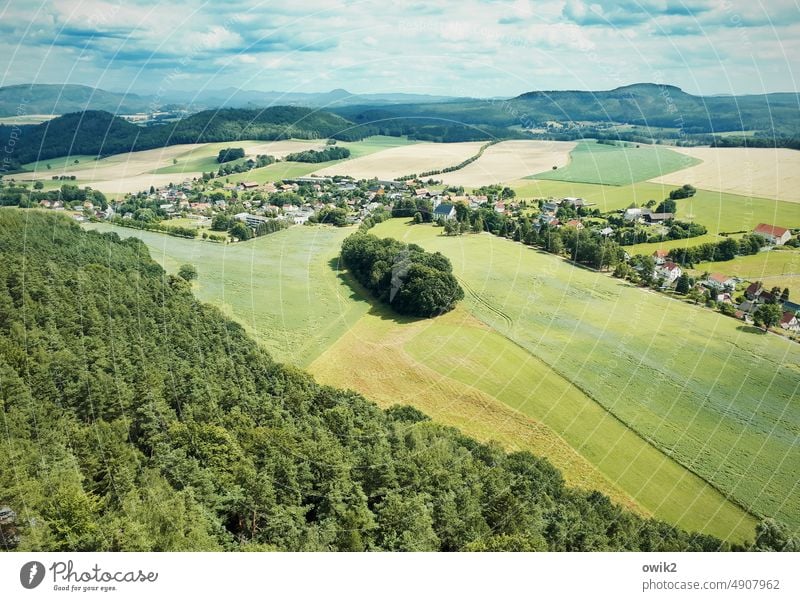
point(453, 48)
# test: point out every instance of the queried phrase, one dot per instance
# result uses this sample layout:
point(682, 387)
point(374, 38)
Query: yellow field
point(404, 160)
point(766, 172)
point(134, 171)
point(509, 161)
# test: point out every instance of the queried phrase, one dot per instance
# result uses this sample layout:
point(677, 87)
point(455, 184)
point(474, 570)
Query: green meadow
point(719, 397)
point(609, 165)
point(280, 287)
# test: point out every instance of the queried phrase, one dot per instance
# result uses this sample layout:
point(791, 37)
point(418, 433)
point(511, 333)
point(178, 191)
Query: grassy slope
point(616, 165)
point(280, 287)
point(715, 395)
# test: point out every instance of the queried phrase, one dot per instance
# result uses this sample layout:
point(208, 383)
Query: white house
point(669, 271)
point(775, 235)
point(444, 211)
point(720, 282)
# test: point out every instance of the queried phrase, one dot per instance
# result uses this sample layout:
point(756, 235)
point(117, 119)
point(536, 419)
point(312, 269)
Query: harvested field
point(405, 160)
point(509, 161)
point(766, 172)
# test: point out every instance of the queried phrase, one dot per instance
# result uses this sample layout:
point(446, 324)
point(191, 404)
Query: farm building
point(774, 235)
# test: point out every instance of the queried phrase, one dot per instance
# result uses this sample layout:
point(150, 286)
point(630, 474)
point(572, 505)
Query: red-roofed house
point(753, 290)
point(774, 234)
point(719, 281)
point(660, 256)
point(789, 322)
point(574, 223)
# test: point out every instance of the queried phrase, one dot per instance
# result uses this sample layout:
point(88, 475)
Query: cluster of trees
point(143, 420)
point(408, 207)
point(724, 250)
point(262, 160)
point(230, 154)
point(156, 226)
point(331, 153)
point(685, 191)
point(411, 280)
point(223, 222)
point(12, 194)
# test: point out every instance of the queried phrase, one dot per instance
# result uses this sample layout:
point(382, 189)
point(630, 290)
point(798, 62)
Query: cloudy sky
point(464, 47)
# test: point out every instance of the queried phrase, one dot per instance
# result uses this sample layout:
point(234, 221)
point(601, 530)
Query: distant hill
point(46, 99)
point(648, 104)
point(102, 134)
point(51, 99)
point(238, 98)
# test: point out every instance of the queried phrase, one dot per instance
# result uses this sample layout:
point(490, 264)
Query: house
point(606, 231)
point(635, 214)
point(669, 271)
point(789, 322)
point(249, 185)
point(574, 223)
point(660, 256)
point(499, 207)
point(444, 211)
point(549, 207)
point(658, 217)
point(720, 282)
point(753, 290)
point(573, 202)
point(252, 220)
point(775, 235)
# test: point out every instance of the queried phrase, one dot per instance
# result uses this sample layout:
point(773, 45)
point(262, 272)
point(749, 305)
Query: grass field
point(510, 160)
point(280, 287)
point(766, 172)
point(774, 268)
point(715, 395)
point(617, 165)
point(463, 373)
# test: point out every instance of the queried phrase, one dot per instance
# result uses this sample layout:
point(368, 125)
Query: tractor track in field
point(486, 304)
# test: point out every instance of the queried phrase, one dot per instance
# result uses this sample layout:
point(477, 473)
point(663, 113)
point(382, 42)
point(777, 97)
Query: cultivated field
point(766, 172)
point(464, 374)
point(594, 163)
point(404, 160)
point(506, 161)
point(714, 394)
point(26, 119)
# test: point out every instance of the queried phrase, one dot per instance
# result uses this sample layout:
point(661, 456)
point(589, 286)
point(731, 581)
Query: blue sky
point(458, 48)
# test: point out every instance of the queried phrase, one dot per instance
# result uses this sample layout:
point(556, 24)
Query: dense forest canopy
point(410, 279)
point(137, 418)
point(101, 134)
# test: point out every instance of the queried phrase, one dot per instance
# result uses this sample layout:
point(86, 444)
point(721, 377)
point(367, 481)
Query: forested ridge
point(102, 134)
point(137, 418)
